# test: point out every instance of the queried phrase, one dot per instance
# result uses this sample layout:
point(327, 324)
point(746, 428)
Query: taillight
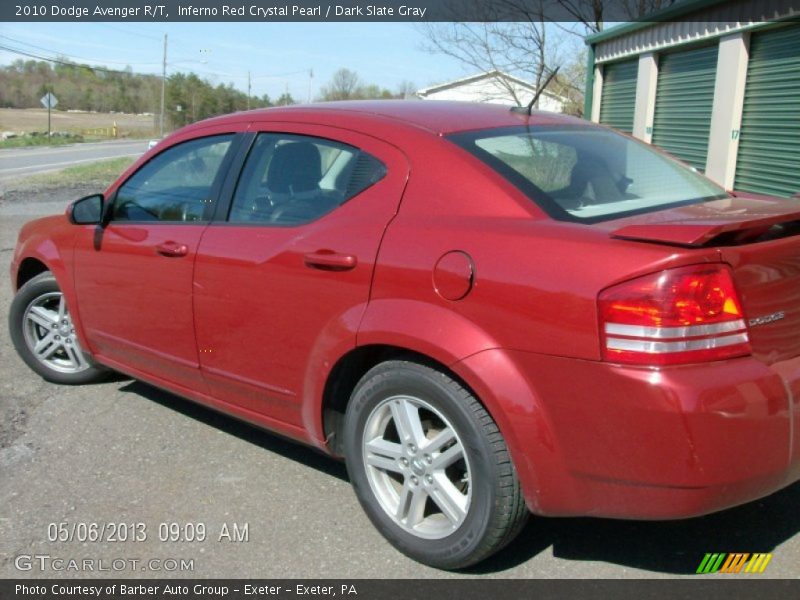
point(683, 315)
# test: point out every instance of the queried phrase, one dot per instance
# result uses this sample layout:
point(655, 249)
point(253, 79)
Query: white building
point(494, 87)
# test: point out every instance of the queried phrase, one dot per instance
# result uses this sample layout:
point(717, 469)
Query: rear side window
point(588, 174)
point(292, 179)
point(175, 185)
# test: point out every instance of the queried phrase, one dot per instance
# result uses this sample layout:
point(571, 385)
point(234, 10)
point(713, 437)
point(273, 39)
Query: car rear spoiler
point(731, 227)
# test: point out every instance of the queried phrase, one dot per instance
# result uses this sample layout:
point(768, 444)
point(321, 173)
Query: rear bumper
point(590, 438)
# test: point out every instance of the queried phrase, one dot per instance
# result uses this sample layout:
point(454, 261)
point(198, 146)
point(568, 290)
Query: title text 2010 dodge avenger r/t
point(486, 313)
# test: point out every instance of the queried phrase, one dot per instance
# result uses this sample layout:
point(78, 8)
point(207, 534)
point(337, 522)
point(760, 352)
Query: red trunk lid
point(768, 277)
point(759, 237)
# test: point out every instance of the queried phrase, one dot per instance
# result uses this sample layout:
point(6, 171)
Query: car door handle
point(172, 249)
point(328, 260)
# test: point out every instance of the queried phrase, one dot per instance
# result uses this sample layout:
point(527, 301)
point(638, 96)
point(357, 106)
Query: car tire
point(43, 334)
point(441, 486)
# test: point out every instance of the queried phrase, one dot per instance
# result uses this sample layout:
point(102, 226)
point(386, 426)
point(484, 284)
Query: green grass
point(39, 140)
point(100, 173)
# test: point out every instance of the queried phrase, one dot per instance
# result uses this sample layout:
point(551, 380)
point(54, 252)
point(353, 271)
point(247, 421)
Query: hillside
point(98, 90)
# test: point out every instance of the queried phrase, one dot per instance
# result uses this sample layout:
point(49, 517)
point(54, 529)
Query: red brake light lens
point(684, 315)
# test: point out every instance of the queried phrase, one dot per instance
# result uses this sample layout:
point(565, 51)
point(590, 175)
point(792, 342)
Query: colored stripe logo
point(734, 562)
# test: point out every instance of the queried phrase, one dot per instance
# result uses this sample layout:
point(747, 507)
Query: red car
point(485, 313)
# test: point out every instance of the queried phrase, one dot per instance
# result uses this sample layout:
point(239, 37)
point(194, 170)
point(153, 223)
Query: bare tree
point(347, 85)
point(519, 49)
point(589, 13)
point(636, 9)
point(535, 42)
point(343, 86)
point(406, 89)
point(525, 48)
point(592, 14)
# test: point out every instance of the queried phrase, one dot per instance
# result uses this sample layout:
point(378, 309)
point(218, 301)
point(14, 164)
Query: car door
point(134, 276)
point(283, 277)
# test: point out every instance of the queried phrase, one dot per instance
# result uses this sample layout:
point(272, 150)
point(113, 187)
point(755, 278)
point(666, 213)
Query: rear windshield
point(588, 174)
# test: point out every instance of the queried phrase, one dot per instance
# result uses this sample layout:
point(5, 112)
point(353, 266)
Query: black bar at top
point(32, 11)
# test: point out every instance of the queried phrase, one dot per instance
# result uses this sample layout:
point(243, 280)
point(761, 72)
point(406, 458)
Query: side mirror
point(87, 210)
point(108, 211)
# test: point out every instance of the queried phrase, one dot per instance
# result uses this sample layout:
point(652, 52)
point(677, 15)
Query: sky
point(279, 56)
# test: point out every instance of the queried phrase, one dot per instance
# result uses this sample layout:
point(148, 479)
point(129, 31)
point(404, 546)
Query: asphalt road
point(125, 452)
point(21, 162)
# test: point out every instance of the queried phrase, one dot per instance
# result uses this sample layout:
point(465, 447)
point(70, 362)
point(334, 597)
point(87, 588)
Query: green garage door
point(684, 98)
point(769, 143)
point(619, 94)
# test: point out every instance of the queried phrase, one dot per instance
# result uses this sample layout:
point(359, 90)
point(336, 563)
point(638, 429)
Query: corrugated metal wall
point(705, 24)
point(619, 94)
point(769, 145)
point(684, 99)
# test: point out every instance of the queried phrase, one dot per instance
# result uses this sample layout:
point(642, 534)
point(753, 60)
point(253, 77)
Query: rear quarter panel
point(535, 280)
point(534, 290)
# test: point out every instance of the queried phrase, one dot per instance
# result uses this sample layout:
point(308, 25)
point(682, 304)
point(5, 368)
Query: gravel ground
point(125, 452)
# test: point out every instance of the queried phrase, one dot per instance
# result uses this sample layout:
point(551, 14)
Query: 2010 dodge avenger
point(486, 313)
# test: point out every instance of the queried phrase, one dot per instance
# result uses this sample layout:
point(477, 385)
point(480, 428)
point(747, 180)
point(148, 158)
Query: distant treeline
point(82, 87)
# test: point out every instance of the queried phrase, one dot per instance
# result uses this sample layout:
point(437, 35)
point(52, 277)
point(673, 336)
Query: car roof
point(435, 116)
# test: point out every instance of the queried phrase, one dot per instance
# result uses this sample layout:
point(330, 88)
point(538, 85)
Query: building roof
point(670, 13)
point(495, 74)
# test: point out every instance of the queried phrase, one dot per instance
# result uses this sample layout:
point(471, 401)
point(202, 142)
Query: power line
point(25, 43)
point(176, 69)
point(72, 63)
point(118, 62)
point(177, 59)
point(280, 75)
point(64, 62)
point(157, 38)
point(173, 38)
point(236, 76)
point(128, 32)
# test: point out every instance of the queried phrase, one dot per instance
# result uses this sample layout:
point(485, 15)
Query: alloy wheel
point(417, 467)
point(50, 334)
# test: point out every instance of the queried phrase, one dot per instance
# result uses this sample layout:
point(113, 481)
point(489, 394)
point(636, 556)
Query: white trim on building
point(494, 87)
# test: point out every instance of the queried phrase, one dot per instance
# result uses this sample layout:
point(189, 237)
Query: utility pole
point(163, 88)
point(310, 83)
point(248, 90)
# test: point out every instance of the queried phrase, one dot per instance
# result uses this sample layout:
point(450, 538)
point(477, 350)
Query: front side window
point(175, 185)
point(588, 174)
point(292, 179)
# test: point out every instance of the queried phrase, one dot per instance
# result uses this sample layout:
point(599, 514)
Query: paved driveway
point(126, 453)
